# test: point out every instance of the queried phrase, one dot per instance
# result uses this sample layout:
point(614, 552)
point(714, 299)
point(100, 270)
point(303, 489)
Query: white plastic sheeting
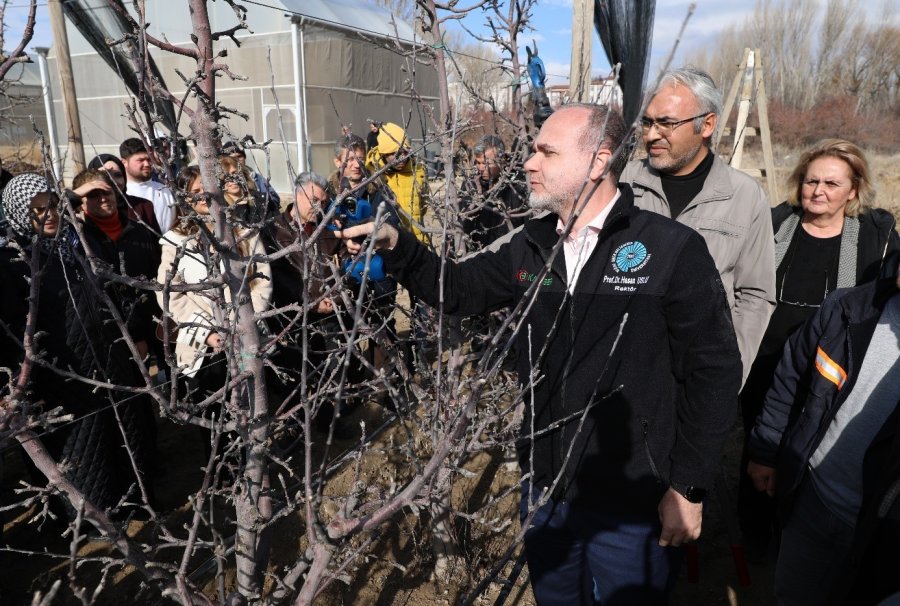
point(352, 73)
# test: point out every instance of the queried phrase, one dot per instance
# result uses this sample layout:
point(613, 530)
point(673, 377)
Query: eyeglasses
point(665, 127)
point(782, 301)
point(314, 201)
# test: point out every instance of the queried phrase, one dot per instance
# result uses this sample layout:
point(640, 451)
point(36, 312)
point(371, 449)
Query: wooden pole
point(750, 74)
point(582, 35)
point(67, 84)
point(732, 96)
point(737, 158)
point(762, 106)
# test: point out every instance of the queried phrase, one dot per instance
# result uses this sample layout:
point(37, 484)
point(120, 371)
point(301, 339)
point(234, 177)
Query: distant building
point(22, 101)
point(500, 93)
point(340, 50)
point(604, 91)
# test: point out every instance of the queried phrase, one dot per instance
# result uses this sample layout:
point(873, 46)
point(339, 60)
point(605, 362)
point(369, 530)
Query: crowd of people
point(677, 299)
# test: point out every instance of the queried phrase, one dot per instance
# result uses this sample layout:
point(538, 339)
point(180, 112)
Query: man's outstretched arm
point(480, 284)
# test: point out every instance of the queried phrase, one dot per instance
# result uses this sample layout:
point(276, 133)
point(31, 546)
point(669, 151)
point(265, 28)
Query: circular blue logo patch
point(629, 256)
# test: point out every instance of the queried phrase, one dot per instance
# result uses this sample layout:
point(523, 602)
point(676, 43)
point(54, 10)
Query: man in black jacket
point(493, 199)
point(627, 352)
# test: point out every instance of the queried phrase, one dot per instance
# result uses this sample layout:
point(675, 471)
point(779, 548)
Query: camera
point(353, 211)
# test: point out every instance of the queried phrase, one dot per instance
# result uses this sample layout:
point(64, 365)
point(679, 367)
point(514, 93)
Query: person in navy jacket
point(827, 446)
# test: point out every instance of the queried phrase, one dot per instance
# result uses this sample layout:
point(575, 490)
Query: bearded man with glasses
point(682, 178)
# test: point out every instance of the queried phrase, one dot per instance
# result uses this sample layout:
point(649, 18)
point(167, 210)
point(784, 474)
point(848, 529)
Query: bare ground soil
point(399, 567)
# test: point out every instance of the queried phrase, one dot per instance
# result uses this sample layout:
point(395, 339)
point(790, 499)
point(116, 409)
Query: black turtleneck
point(680, 190)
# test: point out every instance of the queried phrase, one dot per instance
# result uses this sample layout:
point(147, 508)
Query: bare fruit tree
point(17, 55)
point(815, 51)
point(291, 502)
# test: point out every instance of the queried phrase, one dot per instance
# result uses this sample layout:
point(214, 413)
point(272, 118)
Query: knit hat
point(17, 201)
point(391, 137)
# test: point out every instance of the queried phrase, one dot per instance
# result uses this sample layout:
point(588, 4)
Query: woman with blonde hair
point(827, 236)
point(187, 257)
point(247, 205)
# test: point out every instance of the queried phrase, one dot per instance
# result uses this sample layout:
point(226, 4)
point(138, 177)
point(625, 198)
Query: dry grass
point(887, 182)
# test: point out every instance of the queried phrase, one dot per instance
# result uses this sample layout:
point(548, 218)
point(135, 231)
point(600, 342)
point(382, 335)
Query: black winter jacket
point(135, 254)
point(487, 211)
point(73, 332)
point(661, 404)
point(803, 401)
point(797, 412)
point(877, 241)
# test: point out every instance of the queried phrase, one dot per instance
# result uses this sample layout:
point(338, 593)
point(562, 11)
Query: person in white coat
point(186, 258)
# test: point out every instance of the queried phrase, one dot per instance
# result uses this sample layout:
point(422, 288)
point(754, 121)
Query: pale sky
point(553, 20)
point(553, 29)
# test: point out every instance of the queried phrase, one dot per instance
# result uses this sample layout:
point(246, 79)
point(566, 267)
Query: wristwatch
point(693, 494)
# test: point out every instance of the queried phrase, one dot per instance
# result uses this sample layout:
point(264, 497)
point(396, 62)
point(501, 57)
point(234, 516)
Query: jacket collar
point(781, 212)
point(542, 229)
point(864, 303)
point(716, 187)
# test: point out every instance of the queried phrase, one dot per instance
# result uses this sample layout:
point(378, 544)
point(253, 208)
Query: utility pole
point(67, 83)
point(48, 109)
point(582, 35)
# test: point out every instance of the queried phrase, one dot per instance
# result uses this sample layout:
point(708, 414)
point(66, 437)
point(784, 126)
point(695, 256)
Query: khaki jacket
point(193, 310)
point(732, 214)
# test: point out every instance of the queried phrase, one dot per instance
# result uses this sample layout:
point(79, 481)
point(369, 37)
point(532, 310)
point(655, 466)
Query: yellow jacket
point(410, 189)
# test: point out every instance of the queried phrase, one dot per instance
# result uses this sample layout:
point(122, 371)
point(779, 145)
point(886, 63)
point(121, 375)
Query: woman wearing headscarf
point(827, 236)
point(73, 333)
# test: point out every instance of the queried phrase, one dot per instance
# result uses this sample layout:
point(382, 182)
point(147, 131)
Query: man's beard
point(547, 201)
point(673, 164)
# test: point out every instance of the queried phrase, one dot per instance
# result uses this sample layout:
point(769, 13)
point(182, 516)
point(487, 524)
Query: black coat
point(73, 333)
point(487, 211)
point(877, 241)
point(877, 238)
point(136, 254)
point(798, 410)
point(661, 404)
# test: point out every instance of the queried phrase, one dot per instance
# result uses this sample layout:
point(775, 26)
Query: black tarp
point(625, 28)
point(101, 24)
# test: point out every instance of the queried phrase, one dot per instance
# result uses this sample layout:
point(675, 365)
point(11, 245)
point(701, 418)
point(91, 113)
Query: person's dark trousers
point(757, 511)
point(209, 379)
point(582, 556)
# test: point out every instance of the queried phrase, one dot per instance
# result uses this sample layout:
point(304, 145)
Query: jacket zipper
point(645, 427)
